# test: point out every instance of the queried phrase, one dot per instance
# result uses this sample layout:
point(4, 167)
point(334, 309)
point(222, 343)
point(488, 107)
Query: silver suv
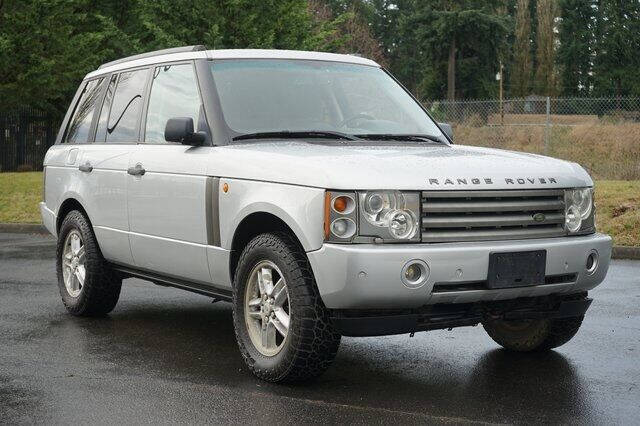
point(315, 194)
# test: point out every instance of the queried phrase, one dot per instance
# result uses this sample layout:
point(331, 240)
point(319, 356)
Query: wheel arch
point(251, 226)
point(68, 205)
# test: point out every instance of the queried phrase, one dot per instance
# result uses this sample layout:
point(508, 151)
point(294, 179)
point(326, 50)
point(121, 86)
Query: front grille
point(450, 216)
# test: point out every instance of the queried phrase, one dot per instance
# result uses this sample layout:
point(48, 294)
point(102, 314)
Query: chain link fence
point(601, 134)
point(25, 137)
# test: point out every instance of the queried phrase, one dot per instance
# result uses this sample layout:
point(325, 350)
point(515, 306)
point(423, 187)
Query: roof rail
point(182, 49)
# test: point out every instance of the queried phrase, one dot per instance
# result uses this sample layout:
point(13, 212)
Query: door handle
point(87, 167)
point(136, 171)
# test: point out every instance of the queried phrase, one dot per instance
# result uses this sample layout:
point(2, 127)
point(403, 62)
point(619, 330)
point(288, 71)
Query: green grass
point(618, 204)
point(618, 210)
point(20, 194)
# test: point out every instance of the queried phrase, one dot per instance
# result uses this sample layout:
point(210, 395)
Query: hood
point(406, 166)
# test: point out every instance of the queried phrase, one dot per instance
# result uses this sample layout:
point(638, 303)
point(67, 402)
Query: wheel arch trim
point(70, 199)
point(251, 225)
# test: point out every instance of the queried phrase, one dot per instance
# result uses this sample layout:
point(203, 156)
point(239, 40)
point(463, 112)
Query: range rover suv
point(315, 194)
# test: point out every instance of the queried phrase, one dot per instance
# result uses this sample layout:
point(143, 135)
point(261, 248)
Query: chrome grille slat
point(495, 194)
point(490, 206)
point(453, 216)
point(469, 221)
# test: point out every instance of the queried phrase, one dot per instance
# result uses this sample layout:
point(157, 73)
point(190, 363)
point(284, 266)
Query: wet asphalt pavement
point(167, 356)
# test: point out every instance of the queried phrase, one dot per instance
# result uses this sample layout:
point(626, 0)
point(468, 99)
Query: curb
point(23, 228)
point(625, 252)
point(618, 252)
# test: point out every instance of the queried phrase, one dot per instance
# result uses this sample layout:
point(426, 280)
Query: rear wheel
point(88, 286)
point(282, 327)
point(532, 335)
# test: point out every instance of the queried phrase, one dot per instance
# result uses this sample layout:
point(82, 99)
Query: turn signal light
point(340, 204)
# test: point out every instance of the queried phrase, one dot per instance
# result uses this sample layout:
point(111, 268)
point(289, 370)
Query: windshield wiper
point(288, 134)
point(400, 137)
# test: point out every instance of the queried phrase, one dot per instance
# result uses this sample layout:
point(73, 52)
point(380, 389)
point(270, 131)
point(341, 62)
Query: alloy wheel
point(73, 263)
point(267, 308)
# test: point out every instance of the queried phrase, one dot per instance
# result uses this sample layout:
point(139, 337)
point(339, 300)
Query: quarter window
point(174, 93)
point(125, 109)
point(80, 124)
point(101, 128)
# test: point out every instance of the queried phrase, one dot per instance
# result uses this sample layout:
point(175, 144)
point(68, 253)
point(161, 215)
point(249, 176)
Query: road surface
point(167, 356)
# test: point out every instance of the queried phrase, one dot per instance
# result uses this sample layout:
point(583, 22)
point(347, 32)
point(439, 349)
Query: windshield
point(265, 95)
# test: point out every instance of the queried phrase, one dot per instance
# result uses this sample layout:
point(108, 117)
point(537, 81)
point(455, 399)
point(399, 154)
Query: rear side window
point(122, 125)
point(174, 93)
point(80, 123)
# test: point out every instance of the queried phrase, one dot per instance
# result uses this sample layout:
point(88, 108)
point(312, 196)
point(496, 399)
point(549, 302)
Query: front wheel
point(532, 335)
point(282, 327)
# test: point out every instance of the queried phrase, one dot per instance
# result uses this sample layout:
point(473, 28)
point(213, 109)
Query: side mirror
point(446, 128)
point(180, 129)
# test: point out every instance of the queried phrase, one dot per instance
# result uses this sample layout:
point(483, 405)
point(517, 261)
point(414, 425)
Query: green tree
point(344, 28)
point(47, 46)
point(461, 40)
point(617, 63)
point(521, 67)
point(545, 77)
point(575, 52)
point(278, 24)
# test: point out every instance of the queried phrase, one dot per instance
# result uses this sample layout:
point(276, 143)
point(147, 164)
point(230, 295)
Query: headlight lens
point(402, 224)
point(582, 199)
point(572, 219)
point(390, 215)
point(579, 209)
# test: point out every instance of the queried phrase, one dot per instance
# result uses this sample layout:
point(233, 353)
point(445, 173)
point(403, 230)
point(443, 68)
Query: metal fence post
point(547, 128)
point(21, 142)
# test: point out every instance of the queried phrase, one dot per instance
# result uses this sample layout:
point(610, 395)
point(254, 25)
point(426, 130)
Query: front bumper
point(369, 276)
point(360, 322)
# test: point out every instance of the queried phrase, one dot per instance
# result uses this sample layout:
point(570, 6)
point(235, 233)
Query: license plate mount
point(516, 269)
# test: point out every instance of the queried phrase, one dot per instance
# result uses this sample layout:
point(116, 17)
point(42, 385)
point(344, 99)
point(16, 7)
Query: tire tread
point(316, 342)
point(101, 290)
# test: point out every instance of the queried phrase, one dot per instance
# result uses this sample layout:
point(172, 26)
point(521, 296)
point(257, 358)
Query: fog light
point(415, 273)
point(592, 262)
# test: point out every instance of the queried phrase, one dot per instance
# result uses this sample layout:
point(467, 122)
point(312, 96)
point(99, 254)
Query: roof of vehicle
point(199, 52)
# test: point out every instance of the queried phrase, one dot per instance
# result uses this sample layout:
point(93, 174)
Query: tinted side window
point(125, 110)
point(174, 93)
point(101, 128)
point(80, 123)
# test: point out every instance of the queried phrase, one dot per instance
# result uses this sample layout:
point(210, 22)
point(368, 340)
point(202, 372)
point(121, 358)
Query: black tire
point(311, 343)
point(532, 335)
point(101, 290)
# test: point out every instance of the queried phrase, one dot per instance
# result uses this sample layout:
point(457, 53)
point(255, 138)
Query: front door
point(167, 184)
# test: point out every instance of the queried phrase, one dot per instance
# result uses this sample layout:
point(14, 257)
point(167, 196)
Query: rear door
point(64, 176)
point(105, 162)
point(167, 202)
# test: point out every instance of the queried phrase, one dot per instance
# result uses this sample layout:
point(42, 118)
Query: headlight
point(579, 210)
point(390, 215)
point(364, 216)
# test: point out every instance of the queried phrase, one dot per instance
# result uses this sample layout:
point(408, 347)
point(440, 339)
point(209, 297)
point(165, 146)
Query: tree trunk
point(451, 71)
